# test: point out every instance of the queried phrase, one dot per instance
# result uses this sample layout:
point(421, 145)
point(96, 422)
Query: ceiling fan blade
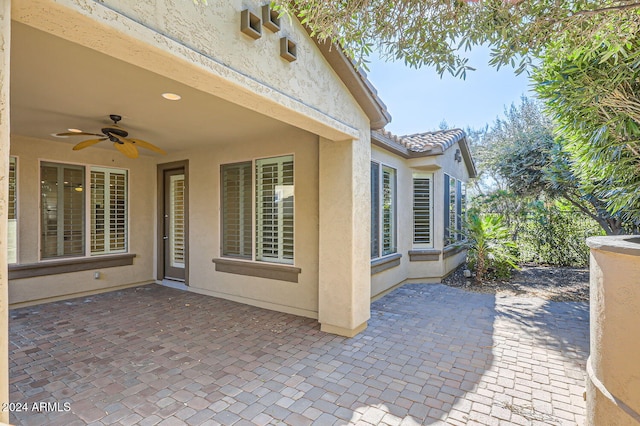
point(127, 148)
point(87, 143)
point(147, 145)
point(78, 134)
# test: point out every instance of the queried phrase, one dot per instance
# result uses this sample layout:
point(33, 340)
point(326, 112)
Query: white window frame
point(108, 171)
point(284, 252)
point(256, 211)
point(380, 211)
point(458, 213)
point(87, 211)
point(430, 243)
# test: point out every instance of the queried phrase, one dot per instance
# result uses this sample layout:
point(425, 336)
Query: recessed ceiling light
point(171, 96)
point(75, 130)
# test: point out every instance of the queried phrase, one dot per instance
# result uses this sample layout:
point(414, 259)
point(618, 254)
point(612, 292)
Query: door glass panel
point(176, 223)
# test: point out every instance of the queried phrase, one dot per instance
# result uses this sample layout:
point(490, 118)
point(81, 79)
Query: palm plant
point(490, 246)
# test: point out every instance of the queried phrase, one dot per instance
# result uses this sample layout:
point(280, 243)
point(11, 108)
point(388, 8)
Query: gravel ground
point(559, 284)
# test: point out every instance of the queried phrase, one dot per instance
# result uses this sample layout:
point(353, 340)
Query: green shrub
point(556, 236)
point(491, 251)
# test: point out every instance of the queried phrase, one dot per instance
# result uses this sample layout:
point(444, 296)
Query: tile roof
point(427, 142)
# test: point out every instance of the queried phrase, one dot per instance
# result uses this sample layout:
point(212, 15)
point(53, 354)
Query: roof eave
point(384, 142)
point(357, 83)
point(467, 157)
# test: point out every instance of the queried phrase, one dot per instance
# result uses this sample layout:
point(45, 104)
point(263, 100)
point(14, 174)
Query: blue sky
point(419, 100)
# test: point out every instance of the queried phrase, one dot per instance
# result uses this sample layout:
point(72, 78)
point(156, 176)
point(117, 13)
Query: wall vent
point(288, 49)
point(250, 24)
point(270, 18)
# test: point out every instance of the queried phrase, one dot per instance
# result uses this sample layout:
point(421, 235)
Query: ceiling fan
point(116, 134)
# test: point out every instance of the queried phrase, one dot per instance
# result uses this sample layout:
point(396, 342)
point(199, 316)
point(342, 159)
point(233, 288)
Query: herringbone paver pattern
point(431, 355)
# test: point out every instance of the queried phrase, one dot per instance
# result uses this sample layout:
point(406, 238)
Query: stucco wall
point(141, 178)
point(5, 47)
point(418, 271)
point(613, 372)
point(202, 46)
point(204, 223)
point(214, 31)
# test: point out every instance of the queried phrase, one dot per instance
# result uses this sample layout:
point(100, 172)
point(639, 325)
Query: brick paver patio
point(431, 355)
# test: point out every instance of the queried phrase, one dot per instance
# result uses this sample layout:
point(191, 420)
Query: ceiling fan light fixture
point(171, 96)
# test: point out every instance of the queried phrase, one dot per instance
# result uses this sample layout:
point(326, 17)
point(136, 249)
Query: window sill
point(257, 269)
point(384, 263)
point(420, 255)
point(66, 266)
point(452, 250)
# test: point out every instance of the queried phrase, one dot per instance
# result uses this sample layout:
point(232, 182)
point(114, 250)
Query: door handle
point(165, 238)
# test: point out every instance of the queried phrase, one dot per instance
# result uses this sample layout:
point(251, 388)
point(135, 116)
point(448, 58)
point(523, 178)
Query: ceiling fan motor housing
point(116, 131)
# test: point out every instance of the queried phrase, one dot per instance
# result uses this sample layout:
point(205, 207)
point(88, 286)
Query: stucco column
point(613, 370)
point(5, 42)
point(345, 216)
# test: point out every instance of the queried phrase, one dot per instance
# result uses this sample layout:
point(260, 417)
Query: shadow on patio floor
point(153, 354)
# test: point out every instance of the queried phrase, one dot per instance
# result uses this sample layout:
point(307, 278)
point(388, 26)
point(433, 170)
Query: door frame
point(160, 256)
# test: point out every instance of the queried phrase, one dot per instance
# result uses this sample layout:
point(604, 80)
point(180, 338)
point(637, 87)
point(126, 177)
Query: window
point(267, 224)
point(62, 223)
point(274, 209)
point(454, 209)
point(422, 210)
point(375, 210)
point(236, 210)
point(63, 210)
point(108, 211)
point(383, 210)
point(12, 213)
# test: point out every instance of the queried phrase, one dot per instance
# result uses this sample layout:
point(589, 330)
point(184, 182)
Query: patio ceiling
point(56, 85)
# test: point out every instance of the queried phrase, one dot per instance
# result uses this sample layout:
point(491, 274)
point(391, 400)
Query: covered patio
point(431, 354)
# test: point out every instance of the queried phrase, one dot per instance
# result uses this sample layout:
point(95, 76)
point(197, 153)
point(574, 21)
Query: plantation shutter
point(422, 210)
point(274, 209)
point(447, 216)
point(375, 210)
point(388, 210)
point(177, 222)
point(12, 230)
point(108, 211)
point(237, 187)
point(458, 216)
point(461, 208)
point(62, 210)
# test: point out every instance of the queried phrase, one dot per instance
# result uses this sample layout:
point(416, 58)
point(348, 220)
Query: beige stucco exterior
point(316, 109)
point(310, 113)
point(5, 59)
point(141, 175)
point(233, 67)
point(419, 271)
point(344, 235)
point(613, 371)
point(299, 298)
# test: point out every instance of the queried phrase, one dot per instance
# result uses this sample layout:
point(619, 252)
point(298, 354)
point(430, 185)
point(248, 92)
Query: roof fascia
point(468, 159)
point(385, 143)
point(356, 81)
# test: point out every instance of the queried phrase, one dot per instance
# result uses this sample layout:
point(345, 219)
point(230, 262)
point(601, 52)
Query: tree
point(593, 93)
point(437, 33)
point(522, 151)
